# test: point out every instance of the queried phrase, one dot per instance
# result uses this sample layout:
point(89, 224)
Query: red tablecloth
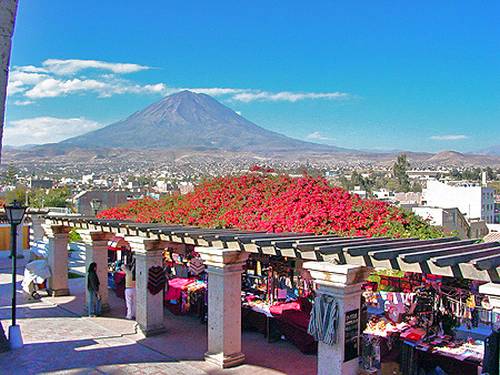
point(278, 308)
point(175, 287)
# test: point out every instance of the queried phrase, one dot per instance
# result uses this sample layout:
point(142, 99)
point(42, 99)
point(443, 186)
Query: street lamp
point(95, 204)
point(15, 214)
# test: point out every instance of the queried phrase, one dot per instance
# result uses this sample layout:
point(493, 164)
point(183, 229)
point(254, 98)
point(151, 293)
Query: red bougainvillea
point(276, 204)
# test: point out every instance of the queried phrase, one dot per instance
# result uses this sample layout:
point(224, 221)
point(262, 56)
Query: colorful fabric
point(175, 287)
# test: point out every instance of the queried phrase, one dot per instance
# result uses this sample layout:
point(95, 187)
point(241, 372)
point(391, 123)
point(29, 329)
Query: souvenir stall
point(425, 324)
point(119, 253)
point(276, 300)
point(187, 282)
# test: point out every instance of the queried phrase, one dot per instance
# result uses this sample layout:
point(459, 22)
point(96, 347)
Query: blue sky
point(421, 76)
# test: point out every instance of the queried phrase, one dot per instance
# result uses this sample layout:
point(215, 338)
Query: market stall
point(187, 283)
point(276, 300)
point(424, 323)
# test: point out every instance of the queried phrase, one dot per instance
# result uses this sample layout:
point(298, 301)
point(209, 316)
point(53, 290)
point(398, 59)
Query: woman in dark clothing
point(93, 288)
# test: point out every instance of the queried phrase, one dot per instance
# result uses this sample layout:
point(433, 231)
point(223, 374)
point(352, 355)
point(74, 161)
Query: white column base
point(225, 361)
point(15, 337)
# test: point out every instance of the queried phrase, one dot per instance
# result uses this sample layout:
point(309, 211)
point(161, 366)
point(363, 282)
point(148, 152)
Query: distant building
point(453, 221)
point(108, 199)
point(186, 187)
point(497, 213)
point(409, 198)
point(361, 193)
point(383, 195)
point(40, 184)
point(474, 201)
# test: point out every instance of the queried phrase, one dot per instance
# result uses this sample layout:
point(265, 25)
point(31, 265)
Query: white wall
point(472, 201)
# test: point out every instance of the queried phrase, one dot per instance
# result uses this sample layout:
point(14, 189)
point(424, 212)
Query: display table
point(186, 295)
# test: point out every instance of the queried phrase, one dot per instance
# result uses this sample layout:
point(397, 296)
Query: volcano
point(188, 120)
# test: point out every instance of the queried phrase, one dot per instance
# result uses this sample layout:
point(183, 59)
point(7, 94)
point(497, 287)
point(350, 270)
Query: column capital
point(227, 259)
point(52, 231)
point(89, 236)
point(144, 245)
point(336, 275)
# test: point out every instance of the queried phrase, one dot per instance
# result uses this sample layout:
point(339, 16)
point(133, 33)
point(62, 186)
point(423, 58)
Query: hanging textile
point(156, 279)
point(323, 324)
point(196, 266)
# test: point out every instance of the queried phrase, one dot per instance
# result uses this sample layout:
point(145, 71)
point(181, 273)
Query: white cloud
point(287, 96)
point(252, 95)
point(23, 102)
point(51, 87)
point(39, 130)
point(56, 78)
point(449, 137)
point(72, 66)
point(318, 136)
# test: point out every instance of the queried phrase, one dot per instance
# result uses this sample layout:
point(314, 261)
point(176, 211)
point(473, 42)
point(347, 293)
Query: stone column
point(96, 250)
point(149, 307)
point(343, 282)
point(57, 237)
point(224, 267)
point(36, 230)
point(20, 240)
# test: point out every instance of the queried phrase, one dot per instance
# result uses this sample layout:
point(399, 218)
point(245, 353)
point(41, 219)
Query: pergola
point(338, 265)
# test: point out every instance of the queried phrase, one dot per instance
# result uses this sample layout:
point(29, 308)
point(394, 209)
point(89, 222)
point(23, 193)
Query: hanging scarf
point(324, 319)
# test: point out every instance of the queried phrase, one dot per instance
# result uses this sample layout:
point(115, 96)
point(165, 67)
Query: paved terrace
point(59, 340)
point(338, 266)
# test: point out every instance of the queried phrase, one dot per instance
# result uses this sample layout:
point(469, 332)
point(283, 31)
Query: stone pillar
point(149, 307)
point(343, 282)
point(96, 250)
point(57, 237)
point(224, 267)
point(36, 230)
point(20, 240)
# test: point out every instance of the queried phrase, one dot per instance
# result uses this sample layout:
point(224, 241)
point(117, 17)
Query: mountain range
point(189, 123)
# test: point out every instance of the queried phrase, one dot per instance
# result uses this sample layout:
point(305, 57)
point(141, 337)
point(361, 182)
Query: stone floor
point(59, 340)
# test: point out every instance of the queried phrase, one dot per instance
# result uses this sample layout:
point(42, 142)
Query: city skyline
point(423, 78)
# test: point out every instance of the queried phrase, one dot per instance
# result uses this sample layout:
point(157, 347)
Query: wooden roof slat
point(228, 233)
point(288, 243)
point(246, 239)
point(443, 251)
point(396, 252)
point(291, 239)
point(487, 262)
point(330, 249)
point(451, 260)
point(311, 245)
point(361, 250)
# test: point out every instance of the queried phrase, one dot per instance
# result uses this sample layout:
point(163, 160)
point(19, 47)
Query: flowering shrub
point(277, 204)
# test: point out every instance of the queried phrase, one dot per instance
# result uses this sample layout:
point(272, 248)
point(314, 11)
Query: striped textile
point(324, 319)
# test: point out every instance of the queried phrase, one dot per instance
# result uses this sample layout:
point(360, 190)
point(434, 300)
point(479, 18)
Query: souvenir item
point(156, 279)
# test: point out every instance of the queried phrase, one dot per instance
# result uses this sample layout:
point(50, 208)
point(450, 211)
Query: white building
point(473, 200)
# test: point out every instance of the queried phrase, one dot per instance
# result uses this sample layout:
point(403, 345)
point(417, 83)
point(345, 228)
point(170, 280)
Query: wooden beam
point(400, 251)
point(366, 249)
point(445, 249)
point(452, 260)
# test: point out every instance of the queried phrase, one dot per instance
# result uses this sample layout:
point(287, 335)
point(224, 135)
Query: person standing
point(93, 288)
point(129, 290)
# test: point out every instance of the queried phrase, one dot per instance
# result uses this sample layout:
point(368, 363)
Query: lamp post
point(95, 204)
point(15, 214)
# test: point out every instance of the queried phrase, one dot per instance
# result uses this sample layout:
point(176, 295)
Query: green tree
point(18, 194)
point(399, 170)
point(9, 177)
point(57, 197)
